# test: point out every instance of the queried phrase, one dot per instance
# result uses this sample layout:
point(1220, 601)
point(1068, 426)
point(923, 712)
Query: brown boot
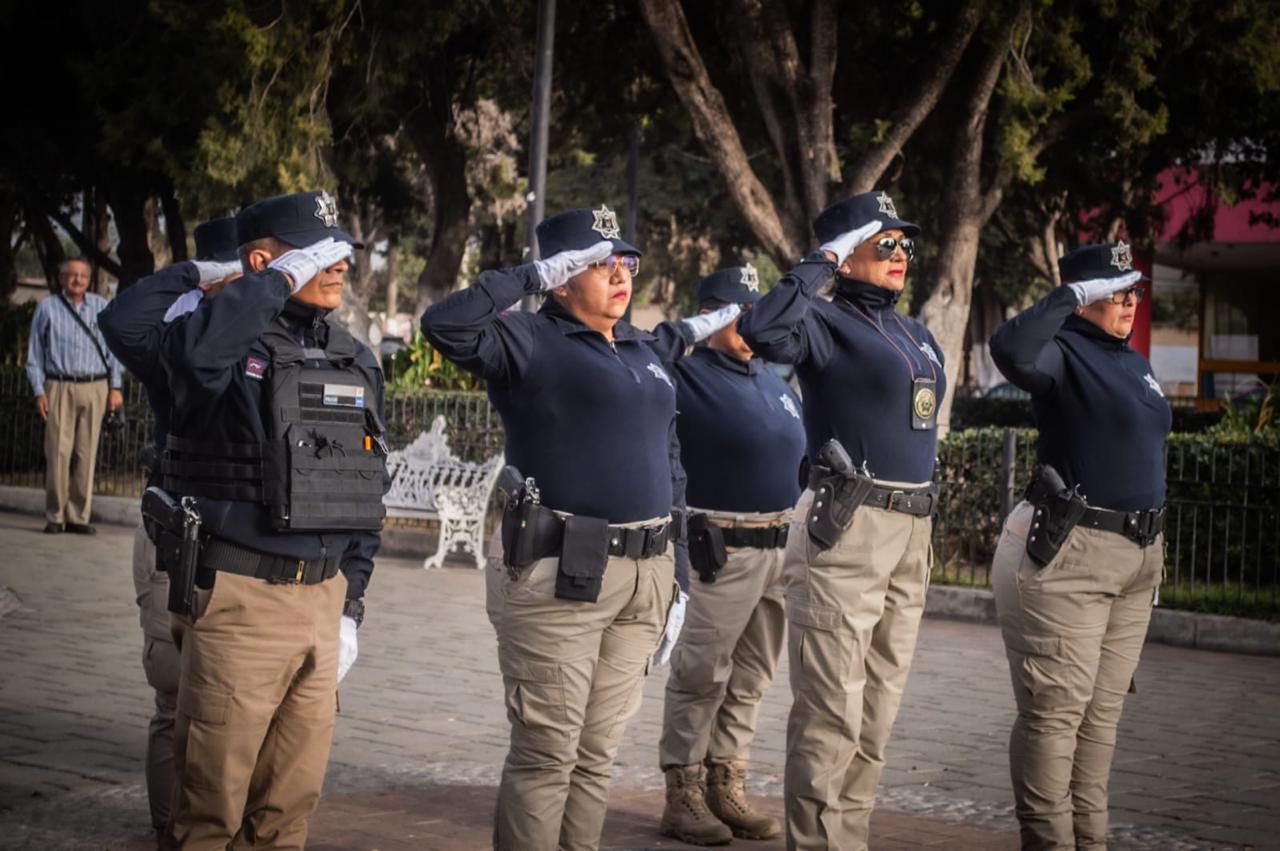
point(686, 816)
point(727, 799)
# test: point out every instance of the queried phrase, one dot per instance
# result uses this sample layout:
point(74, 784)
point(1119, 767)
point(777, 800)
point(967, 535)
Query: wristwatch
point(354, 609)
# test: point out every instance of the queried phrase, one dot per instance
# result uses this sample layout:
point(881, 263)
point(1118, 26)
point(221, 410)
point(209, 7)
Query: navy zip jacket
point(741, 438)
point(855, 358)
point(217, 396)
point(1102, 417)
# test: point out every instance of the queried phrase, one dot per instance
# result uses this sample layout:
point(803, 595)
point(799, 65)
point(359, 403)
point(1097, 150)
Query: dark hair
point(711, 304)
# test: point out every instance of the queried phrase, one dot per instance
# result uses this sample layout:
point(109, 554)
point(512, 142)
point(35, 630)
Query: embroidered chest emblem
point(1122, 256)
point(1153, 384)
point(886, 205)
point(327, 210)
point(255, 368)
point(789, 405)
point(661, 374)
point(606, 223)
point(750, 278)
point(930, 353)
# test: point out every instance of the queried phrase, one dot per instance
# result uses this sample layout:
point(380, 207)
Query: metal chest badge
point(327, 210)
point(924, 404)
point(606, 223)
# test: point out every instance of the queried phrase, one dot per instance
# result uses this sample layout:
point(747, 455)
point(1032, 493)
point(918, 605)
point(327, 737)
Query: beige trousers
point(853, 615)
point(162, 665)
point(572, 672)
point(725, 658)
point(1073, 631)
point(71, 448)
point(256, 707)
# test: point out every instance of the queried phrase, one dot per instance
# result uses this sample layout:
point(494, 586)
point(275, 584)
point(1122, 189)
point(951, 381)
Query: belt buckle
point(892, 498)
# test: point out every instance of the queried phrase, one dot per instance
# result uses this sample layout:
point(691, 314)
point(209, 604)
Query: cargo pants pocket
point(207, 709)
point(535, 697)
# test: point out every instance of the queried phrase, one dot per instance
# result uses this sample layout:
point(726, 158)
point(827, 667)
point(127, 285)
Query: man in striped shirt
point(69, 367)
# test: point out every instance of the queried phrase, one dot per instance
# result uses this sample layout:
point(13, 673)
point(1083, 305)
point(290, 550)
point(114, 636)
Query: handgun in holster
point(1057, 510)
point(839, 489)
point(177, 528)
point(707, 553)
point(528, 527)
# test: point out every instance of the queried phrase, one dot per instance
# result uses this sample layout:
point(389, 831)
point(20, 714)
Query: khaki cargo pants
point(162, 665)
point(573, 673)
point(71, 448)
point(256, 712)
point(726, 655)
point(853, 615)
point(1073, 631)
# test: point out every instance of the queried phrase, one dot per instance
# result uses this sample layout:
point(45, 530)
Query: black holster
point(836, 496)
point(1057, 511)
point(529, 532)
point(707, 553)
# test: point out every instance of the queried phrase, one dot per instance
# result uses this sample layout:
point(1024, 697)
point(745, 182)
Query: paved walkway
point(422, 731)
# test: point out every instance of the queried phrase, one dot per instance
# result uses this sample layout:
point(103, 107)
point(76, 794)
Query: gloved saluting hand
point(303, 264)
point(212, 271)
point(1087, 292)
point(348, 647)
point(675, 622)
point(556, 270)
point(706, 324)
point(842, 246)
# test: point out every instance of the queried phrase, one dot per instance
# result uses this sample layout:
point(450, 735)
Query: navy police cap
point(853, 213)
point(1090, 262)
point(216, 240)
point(735, 285)
point(576, 229)
point(300, 219)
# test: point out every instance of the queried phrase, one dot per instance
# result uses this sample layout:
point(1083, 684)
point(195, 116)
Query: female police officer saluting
point(855, 580)
point(589, 416)
point(1076, 570)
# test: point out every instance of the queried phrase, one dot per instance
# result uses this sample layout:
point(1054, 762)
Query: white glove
point(706, 324)
point(184, 304)
point(675, 622)
point(212, 271)
point(348, 648)
point(842, 246)
point(303, 264)
point(1087, 292)
point(556, 270)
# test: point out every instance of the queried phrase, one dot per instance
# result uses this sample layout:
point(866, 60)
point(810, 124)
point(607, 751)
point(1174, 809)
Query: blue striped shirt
point(59, 346)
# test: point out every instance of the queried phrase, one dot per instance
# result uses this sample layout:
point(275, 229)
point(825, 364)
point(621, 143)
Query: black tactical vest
point(322, 466)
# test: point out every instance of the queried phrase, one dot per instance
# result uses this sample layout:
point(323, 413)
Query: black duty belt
point(217, 554)
point(638, 543)
point(74, 379)
point(918, 502)
point(757, 538)
point(1141, 527)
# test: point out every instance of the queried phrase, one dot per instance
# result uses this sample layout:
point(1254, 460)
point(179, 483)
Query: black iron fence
point(1222, 536)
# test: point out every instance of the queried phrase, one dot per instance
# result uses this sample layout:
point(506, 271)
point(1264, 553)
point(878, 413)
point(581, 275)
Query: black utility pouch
point(1057, 511)
point(584, 553)
point(707, 554)
point(834, 503)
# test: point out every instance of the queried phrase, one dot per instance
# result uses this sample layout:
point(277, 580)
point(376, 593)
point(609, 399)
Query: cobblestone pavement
point(422, 732)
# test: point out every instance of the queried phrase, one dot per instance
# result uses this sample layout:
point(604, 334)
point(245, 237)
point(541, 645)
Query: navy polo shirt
point(591, 421)
point(1102, 417)
point(855, 358)
point(741, 437)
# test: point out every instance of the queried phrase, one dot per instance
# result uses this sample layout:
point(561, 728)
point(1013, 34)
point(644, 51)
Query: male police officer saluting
point(277, 435)
point(131, 324)
point(731, 406)
point(855, 576)
point(1080, 559)
point(588, 412)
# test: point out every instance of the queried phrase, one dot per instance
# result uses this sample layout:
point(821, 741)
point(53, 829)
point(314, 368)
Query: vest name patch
point(346, 395)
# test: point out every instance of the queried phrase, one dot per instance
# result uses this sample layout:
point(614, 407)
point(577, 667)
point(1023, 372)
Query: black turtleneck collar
point(865, 295)
point(729, 362)
point(1087, 329)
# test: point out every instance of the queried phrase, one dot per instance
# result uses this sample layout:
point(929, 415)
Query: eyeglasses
point(1122, 296)
point(886, 245)
point(630, 262)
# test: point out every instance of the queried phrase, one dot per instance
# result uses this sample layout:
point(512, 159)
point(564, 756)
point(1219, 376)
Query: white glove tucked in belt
point(675, 622)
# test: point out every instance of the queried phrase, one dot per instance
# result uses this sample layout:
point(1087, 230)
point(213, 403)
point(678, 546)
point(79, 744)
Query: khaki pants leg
point(1055, 622)
point(843, 668)
point(723, 661)
point(91, 406)
point(256, 707)
point(572, 672)
point(161, 663)
point(59, 441)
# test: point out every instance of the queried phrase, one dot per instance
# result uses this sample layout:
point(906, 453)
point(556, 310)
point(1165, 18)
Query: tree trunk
point(353, 314)
point(157, 242)
point(175, 227)
point(128, 203)
point(9, 215)
point(446, 160)
point(48, 246)
point(946, 313)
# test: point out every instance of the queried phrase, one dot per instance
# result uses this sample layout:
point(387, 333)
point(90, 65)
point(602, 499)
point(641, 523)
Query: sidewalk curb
point(1180, 629)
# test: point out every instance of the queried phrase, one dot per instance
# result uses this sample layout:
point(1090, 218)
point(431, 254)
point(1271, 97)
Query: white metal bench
point(429, 481)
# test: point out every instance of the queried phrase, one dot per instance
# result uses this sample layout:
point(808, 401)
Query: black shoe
point(53, 528)
point(81, 529)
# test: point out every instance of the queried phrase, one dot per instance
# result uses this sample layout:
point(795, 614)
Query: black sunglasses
point(886, 245)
